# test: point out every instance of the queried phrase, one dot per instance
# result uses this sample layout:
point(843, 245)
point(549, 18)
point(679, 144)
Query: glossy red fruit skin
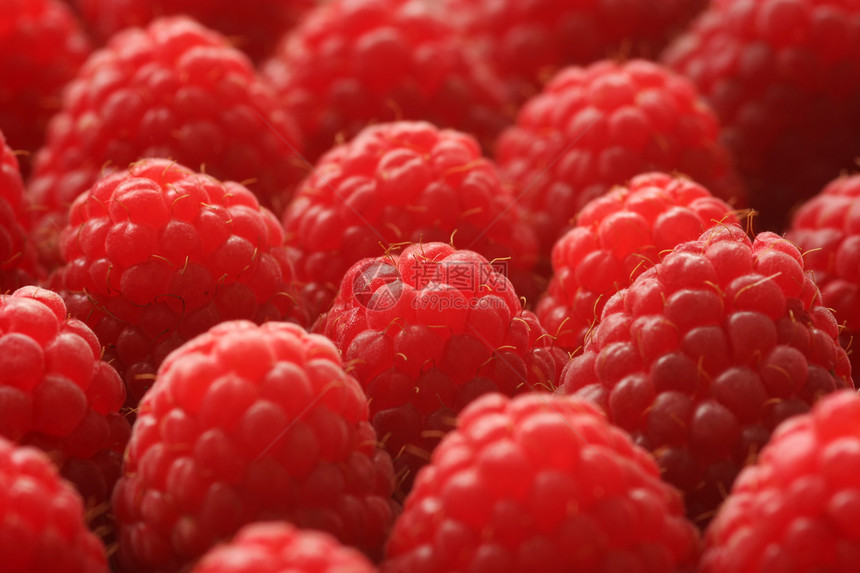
point(707, 352)
point(797, 505)
point(19, 264)
point(250, 423)
point(540, 482)
point(157, 254)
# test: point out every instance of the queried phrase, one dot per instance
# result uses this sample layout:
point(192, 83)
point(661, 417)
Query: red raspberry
point(595, 127)
point(248, 423)
point(43, 46)
point(540, 483)
point(798, 508)
point(707, 352)
point(157, 254)
point(354, 62)
point(254, 27)
point(617, 237)
point(43, 525)
point(57, 394)
point(176, 90)
point(425, 333)
point(18, 261)
point(279, 548)
point(827, 230)
point(403, 182)
point(783, 76)
point(529, 41)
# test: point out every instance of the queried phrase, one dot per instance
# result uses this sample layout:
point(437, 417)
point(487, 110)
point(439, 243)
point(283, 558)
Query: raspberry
point(174, 90)
point(540, 483)
point(783, 76)
point(797, 507)
point(595, 127)
point(617, 237)
point(43, 46)
point(18, 262)
point(280, 547)
point(248, 423)
point(827, 229)
point(425, 333)
point(529, 41)
point(354, 62)
point(402, 182)
point(707, 352)
point(157, 254)
point(254, 27)
point(42, 527)
point(57, 394)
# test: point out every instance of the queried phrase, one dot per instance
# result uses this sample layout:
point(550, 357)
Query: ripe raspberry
point(827, 230)
point(425, 333)
point(617, 237)
point(403, 182)
point(174, 90)
point(355, 62)
point(157, 254)
point(43, 46)
point(280, 547)
point(42, 527)
point(796, 509)
point(595, 127)
point(248, 423)
point(783, 76)
point(529, 41)
point(707, 352)
point(18, 263)
point(57, 394)
point(540, 483)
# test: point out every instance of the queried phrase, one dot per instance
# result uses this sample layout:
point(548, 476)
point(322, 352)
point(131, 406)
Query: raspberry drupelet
point(57, 394)
point(427, 331)
point(796, 508)
point(18, 261)
point(250, 423)
point(157, 254)
point(617, 237)
point(351, 63)
point(42, 528)
point(540, 483)
point(278, 547)
point(783, 76)
point(597, 126)
point(707, 352)
point(403, 182)
point(175, 90)
point(827, 230)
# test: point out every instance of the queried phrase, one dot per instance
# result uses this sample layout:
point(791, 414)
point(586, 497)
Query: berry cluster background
point(429, 286)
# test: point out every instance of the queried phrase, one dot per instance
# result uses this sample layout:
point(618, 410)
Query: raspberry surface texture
point(707, 352)
point(783, 76)
point(427, 331)
point(18, 261)
point(43, 525)
point(174, 90)
point(796, 508)
point(597, 126)
point(540, 483)
point(280, 547)
point(250, 423)
point(43, 46)
point(350, 63)
point(617, 237)
point(57, 394)
point(827, 230)
point(157, 254)
point(403, 182)
point(528, 42)
point(253, 27)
